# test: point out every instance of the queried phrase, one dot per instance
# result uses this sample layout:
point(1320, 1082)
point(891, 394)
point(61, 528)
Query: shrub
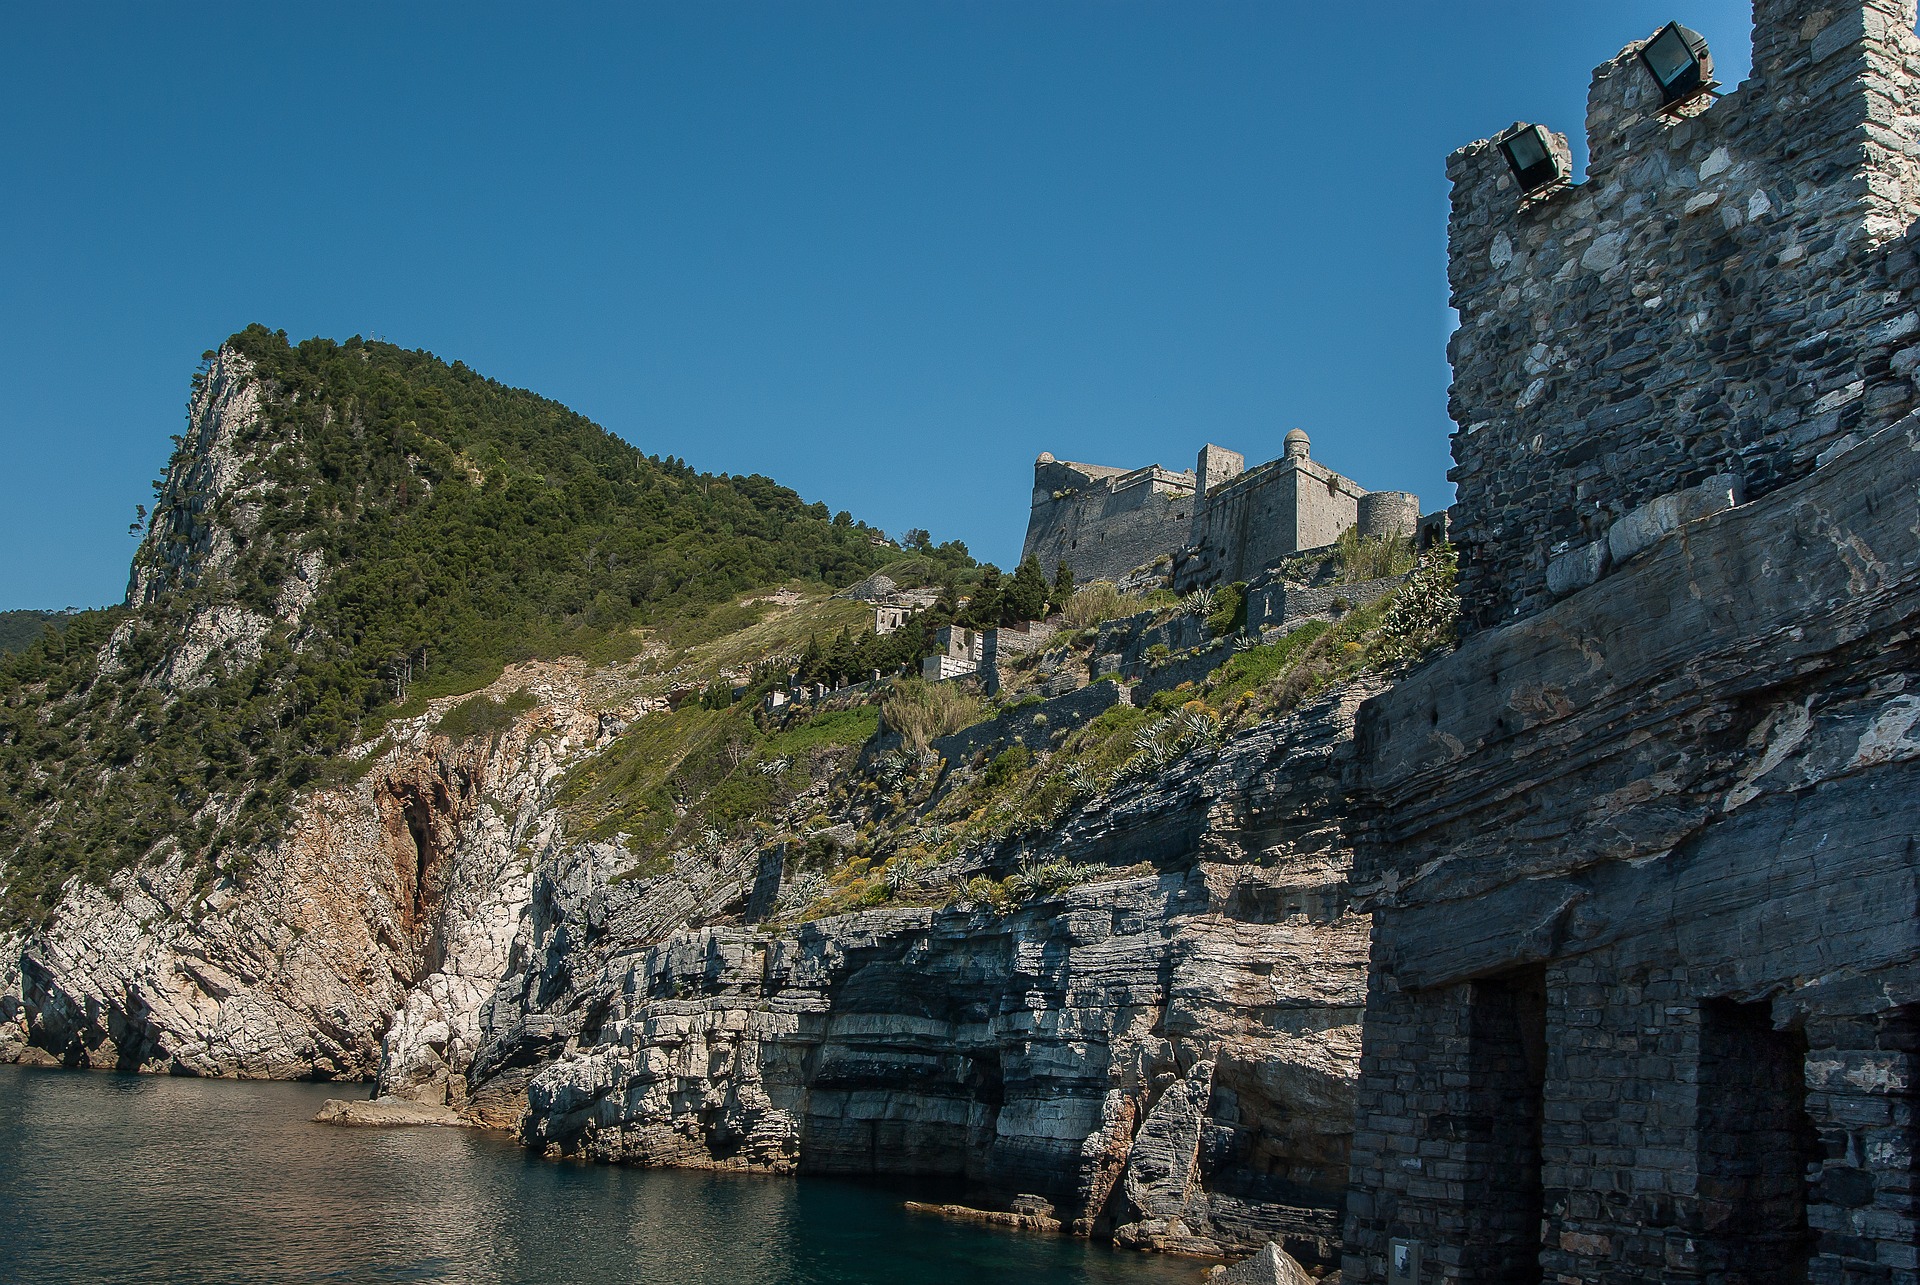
point(1229, 613)
point(1006, 765)
point(922, 712)
point(1371, 557)
point(1098, 602)
point(482, 715)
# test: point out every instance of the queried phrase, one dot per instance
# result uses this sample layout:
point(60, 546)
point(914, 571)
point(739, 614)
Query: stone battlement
point(1729, 292)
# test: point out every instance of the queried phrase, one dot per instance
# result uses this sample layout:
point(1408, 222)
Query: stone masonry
point(1728, 292)
point(1103, 522)
point(1222, 522)
point(1641, 861)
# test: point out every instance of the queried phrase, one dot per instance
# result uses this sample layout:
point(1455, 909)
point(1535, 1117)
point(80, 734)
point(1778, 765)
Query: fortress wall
point(1730, 293)
point(1105, 522)
point(1270, 512)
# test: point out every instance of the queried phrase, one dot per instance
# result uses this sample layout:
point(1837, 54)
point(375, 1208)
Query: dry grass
point(923, 712)
point(1098, 602)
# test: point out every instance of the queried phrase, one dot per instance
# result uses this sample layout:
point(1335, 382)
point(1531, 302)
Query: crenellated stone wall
point(1729, 292)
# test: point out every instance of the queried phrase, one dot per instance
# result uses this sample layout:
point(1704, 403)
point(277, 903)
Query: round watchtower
point(1296, 445)
point(1385, 513)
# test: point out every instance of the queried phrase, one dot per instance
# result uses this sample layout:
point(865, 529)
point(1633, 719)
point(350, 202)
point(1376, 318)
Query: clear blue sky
point(885, 253)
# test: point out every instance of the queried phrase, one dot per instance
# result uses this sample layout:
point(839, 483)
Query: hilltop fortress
point(1220, 522)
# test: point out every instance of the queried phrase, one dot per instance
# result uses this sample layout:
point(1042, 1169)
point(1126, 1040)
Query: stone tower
point(1640, 857)
point(1728, 296)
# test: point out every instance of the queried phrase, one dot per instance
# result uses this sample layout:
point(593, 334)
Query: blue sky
point(885, 253)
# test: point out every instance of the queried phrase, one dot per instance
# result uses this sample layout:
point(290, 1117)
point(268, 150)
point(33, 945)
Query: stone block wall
point(1034, 726)
point(1103, 522)
point(1123, 644)
point(1678, 807)
point(1264, 514)
point(1276, 605)
point(1730, 291)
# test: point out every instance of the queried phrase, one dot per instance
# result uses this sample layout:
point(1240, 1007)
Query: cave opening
point(419, 821)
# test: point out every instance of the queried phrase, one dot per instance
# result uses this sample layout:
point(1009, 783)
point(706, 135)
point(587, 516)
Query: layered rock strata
point(1164, 1058)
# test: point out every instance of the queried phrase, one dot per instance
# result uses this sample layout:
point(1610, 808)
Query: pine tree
point(1026, 593)
point(1062, 588)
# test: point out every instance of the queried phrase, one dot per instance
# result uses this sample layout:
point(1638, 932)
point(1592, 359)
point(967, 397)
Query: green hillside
point(18, 629)
point(465, 525)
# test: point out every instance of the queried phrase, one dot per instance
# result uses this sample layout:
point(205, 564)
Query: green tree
point(1025, 597)
point(1062, 588)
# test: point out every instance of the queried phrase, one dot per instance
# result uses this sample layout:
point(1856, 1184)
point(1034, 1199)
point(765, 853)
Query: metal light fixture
point(1678, 59)
point(1536, 163)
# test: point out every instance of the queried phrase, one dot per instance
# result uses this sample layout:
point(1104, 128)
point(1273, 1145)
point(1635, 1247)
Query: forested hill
point(343, 528)
point(18, 629)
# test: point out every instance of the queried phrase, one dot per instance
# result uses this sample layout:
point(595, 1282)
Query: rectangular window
point(1755, 1145)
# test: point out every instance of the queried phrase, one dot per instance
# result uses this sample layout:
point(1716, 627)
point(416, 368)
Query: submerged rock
point(385, 1113)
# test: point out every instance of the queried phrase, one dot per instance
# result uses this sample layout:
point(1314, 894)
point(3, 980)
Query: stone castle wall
point(1271, 512)
point(1728, 293)
point(1220, 523)
point(1645, 983)
point(1104, 522)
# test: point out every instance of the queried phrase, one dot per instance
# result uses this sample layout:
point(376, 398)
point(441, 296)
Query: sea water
point(154, 1179)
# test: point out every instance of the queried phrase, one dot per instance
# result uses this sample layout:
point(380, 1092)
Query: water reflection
point(128, 1178)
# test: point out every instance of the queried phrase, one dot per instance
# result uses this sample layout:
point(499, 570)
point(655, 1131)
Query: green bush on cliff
point(483, 715)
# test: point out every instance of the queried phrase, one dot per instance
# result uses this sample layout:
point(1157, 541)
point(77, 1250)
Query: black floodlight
point(1680, 63)
point(1531, 154)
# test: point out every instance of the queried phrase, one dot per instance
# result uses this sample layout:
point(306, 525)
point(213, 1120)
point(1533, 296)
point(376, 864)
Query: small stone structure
point(1644, 999)
point(961, 651)
point(1220, 523)
point(898, 607)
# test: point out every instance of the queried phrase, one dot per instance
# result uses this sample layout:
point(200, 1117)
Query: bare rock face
point(1164, 1058)
point(371, 933)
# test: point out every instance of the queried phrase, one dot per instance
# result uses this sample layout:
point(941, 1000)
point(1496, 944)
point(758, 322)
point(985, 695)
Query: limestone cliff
point(1162, 1055)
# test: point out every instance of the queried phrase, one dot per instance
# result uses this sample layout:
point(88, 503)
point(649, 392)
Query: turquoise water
point(148, 1179)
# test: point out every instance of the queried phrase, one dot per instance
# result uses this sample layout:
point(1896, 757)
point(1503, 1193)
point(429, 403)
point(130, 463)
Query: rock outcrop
point(1164, 1058)
point(364, 941)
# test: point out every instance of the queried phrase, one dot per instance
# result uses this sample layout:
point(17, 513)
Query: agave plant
point(802, 889)
point(1201, 602)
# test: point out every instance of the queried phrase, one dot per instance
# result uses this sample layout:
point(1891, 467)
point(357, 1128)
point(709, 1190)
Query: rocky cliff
point(1112, 984)
point(1163, 1054)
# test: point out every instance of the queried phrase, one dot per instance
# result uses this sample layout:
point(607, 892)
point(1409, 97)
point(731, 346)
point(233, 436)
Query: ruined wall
point(1104, 522)
point(1643, 876)
point(1726, 293)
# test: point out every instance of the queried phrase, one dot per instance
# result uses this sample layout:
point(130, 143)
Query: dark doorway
point(1755, 1145)
point(1507, 1077)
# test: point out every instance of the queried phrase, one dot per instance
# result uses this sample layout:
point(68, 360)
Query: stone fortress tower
point(1726, 297)
point(1644, 995)
point(1220, 523)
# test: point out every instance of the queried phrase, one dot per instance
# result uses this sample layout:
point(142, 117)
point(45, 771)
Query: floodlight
point(1531, 155)
point(1679, 62)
